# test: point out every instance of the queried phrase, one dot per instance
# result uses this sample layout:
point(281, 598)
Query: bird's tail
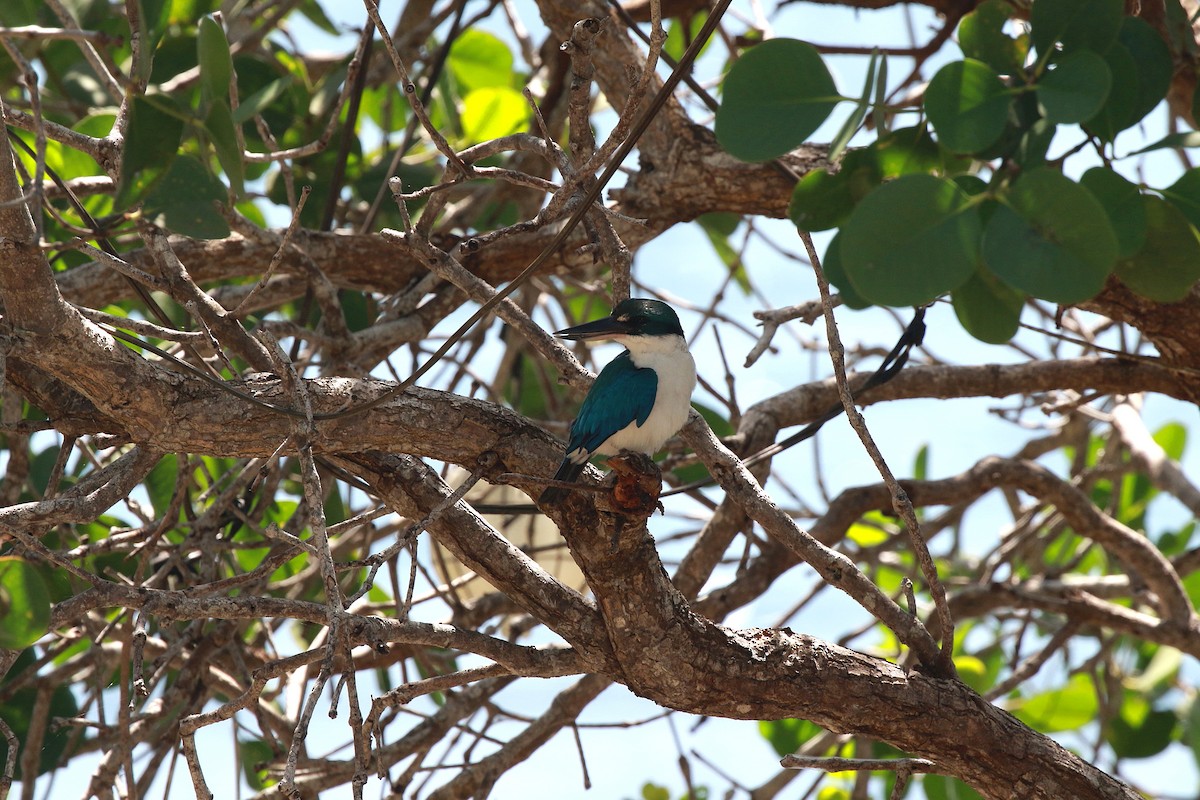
point(567, 471)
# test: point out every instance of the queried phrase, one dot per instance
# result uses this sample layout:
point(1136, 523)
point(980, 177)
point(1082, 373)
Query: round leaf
point(479, 59)
point(1122, 202)
point(981, 36)
point(835, 273)
point(1169, 262)
point(775, 97)
point(1050, 238)
point(1091, 24)
point(24, 604)
point(968, 105)
point(1185, 194)
point(183, 201)
point(1153, 60)
point(1141, 70)
point(493, 112)
point(820, 201)
point(1075, 90)
point(911, 240)
point(987, 309)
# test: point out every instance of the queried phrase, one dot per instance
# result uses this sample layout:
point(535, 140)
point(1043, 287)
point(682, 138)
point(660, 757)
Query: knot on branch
point(638, 483)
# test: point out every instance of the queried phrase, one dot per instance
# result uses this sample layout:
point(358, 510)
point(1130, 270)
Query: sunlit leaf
point(981, 36)
point(24, 604)
point(479, 60)
point(1065, 709)
point(786, 735)
point(493, 112)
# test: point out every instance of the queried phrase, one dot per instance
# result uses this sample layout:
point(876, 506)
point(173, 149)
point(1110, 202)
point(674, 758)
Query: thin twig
point(900, 501)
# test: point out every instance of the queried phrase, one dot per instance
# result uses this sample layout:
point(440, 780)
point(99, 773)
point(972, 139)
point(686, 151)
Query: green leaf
point(1139, 731)
point(968, 105)
point(850, 126)
point(1153, 60)
point(865, 535)
point(160, 482)
point(24, 604)
point(1122, 202)
point(679, 36)
point(786, 735)
point(154, 16)
point(1141, 70)
point(943, 787)
point(1034, 143)
point(972, 670)
point(16, 712)
point(152, 137)
point(1091, 24)
point(835, 273)
point(1172, 141)
point(255, 755)
point(480, 60)
point(312, 11)
point(1050, 238)
point(216, 63)
point(183, 201)
point(1169, 262)
point(492, 112)
point(651, 791)
point(775, 97)
point(921, 464)
point(261, 100)
point(219, 125)
point(1075, 89)
point(820, 201)
point(719, 226)
point(1065, 709)
point(1191, 725)
point(1184, 194)
point(1172, 438)
point(909, 150)
point(982, 38)
point(911, 240)
point(987, 309)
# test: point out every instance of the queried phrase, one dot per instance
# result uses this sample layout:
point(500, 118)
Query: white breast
point(669, 357)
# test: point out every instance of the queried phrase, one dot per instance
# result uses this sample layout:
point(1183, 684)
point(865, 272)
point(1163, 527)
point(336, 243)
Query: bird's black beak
point(605, 328)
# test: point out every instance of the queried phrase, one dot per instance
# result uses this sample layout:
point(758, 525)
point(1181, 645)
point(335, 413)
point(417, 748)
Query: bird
point(641, 398)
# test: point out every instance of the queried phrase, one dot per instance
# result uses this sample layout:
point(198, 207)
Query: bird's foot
point(638, 483)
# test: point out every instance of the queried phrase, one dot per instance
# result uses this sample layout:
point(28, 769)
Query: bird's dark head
point(633, 317)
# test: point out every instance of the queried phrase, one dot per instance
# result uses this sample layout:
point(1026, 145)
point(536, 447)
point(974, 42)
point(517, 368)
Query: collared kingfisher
point(641, 398)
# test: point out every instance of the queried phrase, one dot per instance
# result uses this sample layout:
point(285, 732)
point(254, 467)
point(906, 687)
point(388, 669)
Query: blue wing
point(622, 394)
